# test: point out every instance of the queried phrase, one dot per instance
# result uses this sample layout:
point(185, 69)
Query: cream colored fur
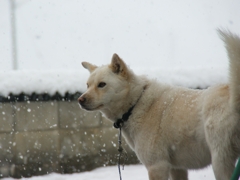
point(172, 129)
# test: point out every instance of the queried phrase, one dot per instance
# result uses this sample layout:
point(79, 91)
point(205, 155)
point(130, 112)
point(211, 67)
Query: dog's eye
point(101, 84)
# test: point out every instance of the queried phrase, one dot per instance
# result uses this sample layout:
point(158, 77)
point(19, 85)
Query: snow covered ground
point(137, 172)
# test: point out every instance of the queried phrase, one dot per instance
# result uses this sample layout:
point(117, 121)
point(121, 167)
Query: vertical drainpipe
point(13, 34)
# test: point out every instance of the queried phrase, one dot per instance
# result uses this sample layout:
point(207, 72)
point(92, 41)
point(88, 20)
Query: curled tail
point(232, 44)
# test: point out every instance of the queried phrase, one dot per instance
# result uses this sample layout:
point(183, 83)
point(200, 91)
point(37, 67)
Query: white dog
point(171, 129)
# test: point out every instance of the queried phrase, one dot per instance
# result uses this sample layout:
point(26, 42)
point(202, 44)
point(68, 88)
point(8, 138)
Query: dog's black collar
point(119, 123)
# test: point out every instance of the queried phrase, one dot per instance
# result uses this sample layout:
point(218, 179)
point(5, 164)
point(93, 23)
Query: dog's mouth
point(90, 108)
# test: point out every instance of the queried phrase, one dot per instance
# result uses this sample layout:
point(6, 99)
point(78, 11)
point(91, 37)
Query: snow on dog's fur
point(172, 129)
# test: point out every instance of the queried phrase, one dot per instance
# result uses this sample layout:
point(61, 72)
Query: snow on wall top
point(28, 82)
point(50, 82)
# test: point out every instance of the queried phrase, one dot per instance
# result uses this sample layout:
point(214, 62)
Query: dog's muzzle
point(81, 100)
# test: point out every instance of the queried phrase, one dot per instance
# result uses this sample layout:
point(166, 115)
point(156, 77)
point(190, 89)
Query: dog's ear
point(118, 66)
point(89, 67)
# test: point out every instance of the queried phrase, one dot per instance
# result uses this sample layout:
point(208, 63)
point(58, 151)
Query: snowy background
point(173, 41)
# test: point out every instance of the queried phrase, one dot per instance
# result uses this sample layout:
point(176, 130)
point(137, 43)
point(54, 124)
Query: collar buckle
point(119, 123)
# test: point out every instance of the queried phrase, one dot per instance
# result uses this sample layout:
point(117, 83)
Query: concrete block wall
point(56, 136)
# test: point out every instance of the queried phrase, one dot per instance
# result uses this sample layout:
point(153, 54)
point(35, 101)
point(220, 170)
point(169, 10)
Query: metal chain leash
point(122, 152)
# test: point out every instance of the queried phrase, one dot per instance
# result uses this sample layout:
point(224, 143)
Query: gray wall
point(57, 136)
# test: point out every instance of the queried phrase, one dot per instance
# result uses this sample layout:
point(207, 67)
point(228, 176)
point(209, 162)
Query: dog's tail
point(232, 44)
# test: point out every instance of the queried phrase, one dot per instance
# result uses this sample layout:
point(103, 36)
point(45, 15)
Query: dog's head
point(107, 85)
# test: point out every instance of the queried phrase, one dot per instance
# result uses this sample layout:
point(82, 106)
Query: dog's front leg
point(158, 171)
point(178, 174)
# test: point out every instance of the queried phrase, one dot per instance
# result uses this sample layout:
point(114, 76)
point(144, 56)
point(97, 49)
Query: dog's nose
point(81, 99)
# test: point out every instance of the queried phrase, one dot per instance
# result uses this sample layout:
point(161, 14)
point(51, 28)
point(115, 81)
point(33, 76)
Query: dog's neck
point(119, 122)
